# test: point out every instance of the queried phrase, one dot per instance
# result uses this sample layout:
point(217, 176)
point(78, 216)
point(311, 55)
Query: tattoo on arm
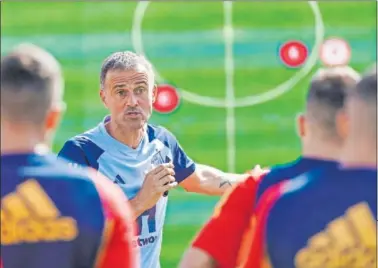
point(224, 182)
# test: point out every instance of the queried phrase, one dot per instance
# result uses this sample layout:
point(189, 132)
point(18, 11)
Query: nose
point(132, 101)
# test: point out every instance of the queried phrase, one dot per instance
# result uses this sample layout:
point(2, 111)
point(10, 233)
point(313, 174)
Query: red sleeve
point(252, 251)
point(229, 221)
point(116, 249)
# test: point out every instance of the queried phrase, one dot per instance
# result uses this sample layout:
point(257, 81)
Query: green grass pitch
point(184, 42)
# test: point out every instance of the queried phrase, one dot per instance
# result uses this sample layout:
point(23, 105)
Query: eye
point(139, 90)
point(121, 93)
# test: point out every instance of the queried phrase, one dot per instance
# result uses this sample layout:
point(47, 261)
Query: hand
point(257, 171)
point(156, 182)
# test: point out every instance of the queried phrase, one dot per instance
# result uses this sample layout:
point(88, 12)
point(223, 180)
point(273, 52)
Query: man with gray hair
point(51, 216)
point(145, 160)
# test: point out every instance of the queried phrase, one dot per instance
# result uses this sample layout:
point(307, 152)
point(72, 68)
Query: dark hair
point(366, 88)
point(365, 93)
point(31, 81)
point(327, 93)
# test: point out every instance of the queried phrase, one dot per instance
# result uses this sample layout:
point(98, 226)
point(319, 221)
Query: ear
point(103, 97)
point(154, 93)
point(53, 119)
point(51, 124)
point(342, 124)
point(301, 125)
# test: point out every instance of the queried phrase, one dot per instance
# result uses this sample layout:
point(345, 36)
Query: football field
point(186, 45)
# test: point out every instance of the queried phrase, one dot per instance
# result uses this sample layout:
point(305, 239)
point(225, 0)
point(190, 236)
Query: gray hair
point(125, 60)
point(31, 84)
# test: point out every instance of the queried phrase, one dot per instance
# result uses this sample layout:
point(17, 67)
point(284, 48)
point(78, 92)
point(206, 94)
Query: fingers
point(163, 173)
point(161, 167)
point(258, 171)
point(166, 183)
point(166, 180)
point(161, 179)
point(168, 187)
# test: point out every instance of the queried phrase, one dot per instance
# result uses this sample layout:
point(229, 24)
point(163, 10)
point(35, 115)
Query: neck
point(322, 150)
point(20, 138)
point(129, 137)
point(359, 154)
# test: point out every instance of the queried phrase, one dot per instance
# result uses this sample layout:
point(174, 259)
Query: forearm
point(214, 181)
point(196, 258)
point(136, 206)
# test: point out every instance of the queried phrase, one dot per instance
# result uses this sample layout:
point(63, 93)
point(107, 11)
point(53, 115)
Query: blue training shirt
point(328, 221)
point(51, 216)
point(127, 167)
point(286, 171)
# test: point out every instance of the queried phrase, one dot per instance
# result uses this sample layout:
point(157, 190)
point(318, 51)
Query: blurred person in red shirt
point(321, 129)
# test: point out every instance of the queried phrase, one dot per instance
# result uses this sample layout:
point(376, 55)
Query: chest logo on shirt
point(348, 241)
point(119, 180)
point(158, 158)
point(28, 215)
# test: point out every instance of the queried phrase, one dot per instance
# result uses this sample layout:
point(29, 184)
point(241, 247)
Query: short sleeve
point(184, 166)
point(230, 219)
point(73, 153)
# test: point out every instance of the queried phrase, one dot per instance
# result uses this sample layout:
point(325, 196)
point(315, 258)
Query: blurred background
point(185, 43)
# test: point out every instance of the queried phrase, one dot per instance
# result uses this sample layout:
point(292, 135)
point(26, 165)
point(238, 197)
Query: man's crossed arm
point(211, 181)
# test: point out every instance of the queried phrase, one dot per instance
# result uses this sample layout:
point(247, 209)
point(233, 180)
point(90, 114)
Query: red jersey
point(228, 223)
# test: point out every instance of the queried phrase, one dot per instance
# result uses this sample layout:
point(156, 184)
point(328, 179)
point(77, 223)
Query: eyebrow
point(141, 82)
point(119, 86)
